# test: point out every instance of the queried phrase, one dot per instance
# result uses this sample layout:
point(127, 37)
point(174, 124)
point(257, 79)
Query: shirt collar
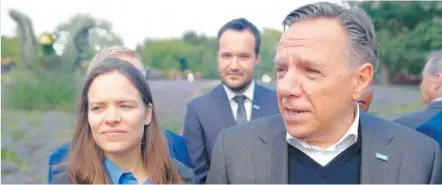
point(248, 92)
point(437, 100)
point(113, 170)
point(351, 133)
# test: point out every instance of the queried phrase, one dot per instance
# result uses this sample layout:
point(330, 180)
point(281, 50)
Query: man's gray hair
point(113, 51)
point(434, 63)
point(362, 38)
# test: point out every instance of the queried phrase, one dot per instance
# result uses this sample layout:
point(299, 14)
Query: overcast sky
point(135, 20)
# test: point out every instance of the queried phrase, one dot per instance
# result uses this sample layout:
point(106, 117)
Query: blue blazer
point(433, 128)
point(209, 114)
point(176, 143)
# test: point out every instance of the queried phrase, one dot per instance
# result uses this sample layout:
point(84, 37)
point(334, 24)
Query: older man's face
point(316, 87)
point(430, 87)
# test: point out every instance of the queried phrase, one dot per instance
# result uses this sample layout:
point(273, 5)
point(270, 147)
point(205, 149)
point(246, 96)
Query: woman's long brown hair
point(85, 161)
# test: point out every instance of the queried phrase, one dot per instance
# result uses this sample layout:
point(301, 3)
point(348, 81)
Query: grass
point(33, 118)
point(51, 91)
point(8, 154)
point(42, 177)
point(17, 134)
point(18, 124)
point(396, 110)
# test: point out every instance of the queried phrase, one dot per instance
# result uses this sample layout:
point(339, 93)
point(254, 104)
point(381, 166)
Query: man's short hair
point(434, 63)
point(111, 52)
point(361, 35)
point(242, 24)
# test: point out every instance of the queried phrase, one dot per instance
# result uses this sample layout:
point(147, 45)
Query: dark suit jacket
point(211, 113)
point(257, 153)
point(416, 119)
point(176, 143)
point(433, 128)
point(177, 147)
point(186, 175)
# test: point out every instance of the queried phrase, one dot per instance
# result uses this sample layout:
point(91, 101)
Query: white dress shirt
point(248, 93)
point(437, 100)
point(324, 156)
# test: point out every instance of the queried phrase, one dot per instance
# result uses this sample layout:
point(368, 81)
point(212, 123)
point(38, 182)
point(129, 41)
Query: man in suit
point(324, 62)
point(177, 147)
point(433, 128)
point(236, 101)
point(431, 90)
point(176, 143)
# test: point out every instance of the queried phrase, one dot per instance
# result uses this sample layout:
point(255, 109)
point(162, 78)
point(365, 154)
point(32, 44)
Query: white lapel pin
point(381, 156)
point(256, 107)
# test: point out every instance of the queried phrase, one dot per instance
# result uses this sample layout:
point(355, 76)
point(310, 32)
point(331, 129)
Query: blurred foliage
point(406, 30)
point(57, 88)
point(100, 36)
point(269, 41)
point(49, 91)
point(10, 48)
point(200, 53)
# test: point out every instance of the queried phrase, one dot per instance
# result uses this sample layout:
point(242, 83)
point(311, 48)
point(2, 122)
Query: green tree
point(406, 31)
point(100, 36)
point(200, 52)
point(10, 48)
point(205, 48)
point(165, 54)
point(269, 42)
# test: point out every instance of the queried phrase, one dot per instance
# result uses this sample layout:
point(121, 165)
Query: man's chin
point(235, 85)
point(299, 134)
point(298, 130)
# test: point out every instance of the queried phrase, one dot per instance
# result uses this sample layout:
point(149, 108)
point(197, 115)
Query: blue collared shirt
point(119, 177)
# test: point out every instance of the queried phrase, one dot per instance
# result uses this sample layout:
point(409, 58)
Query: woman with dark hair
point(117, 138)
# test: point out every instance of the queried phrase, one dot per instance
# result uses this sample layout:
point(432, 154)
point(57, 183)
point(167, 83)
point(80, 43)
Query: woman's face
point(116, 113)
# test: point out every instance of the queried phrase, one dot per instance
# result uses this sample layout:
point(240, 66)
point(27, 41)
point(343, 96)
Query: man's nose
point(289, 85)
point(234, 63)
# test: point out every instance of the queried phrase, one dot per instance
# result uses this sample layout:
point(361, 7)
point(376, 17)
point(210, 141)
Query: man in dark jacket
point(431, 90)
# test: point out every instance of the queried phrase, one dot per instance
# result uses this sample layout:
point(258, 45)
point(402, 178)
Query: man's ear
point(438, 81)
point(364, 77)
point(149, 113)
